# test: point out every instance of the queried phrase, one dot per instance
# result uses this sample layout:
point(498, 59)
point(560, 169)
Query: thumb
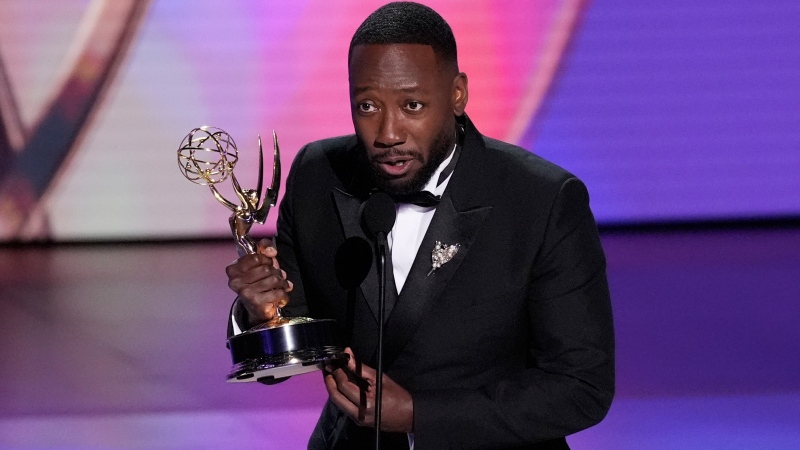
point(267, 248)
point(362, 370)
point(266, 245)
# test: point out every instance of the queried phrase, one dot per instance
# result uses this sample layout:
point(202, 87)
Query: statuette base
point(273, 367)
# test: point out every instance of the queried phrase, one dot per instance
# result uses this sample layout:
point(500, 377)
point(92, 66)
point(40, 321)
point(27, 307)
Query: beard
point(440, 148)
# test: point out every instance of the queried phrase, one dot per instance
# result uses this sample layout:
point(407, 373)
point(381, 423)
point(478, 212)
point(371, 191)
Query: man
point(509, 344)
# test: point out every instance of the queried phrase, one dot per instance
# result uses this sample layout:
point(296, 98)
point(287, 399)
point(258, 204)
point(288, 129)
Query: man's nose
point(390, 132)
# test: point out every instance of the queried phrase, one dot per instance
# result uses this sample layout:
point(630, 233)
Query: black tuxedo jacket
point(509, 344)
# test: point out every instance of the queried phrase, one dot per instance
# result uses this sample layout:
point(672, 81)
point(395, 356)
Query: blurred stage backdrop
point(671, 112)
point(686, 111)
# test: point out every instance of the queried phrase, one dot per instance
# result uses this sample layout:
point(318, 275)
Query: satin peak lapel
point(349, 209)
point(448, 226)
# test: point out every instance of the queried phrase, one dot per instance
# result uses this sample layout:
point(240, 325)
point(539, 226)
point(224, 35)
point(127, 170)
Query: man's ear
point(460, 94)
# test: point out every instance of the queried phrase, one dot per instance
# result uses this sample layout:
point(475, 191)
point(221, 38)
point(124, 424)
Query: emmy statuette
point(284, 346)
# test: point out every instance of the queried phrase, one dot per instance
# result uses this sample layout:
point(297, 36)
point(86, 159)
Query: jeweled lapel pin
point(442, 253)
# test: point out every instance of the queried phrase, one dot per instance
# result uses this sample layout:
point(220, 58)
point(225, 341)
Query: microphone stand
point(382, 244)
point(379, 215)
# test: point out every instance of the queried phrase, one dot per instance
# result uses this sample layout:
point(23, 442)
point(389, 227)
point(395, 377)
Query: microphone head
point(352, 262)
point(379, 213)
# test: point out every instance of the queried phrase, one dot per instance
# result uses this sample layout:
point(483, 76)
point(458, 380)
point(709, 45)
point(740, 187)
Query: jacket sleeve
point(569, 383)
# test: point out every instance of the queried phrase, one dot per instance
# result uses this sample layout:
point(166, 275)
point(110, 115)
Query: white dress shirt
point(411, 225)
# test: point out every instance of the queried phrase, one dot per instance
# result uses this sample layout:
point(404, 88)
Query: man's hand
point(260, 283)
point(352, 389)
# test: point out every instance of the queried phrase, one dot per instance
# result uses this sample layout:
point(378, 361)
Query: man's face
point(404, 102)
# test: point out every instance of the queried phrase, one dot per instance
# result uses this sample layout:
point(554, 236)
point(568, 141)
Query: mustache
point(390, 152)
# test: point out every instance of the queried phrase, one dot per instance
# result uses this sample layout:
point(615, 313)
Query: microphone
point(352, 262)
point(379, 216)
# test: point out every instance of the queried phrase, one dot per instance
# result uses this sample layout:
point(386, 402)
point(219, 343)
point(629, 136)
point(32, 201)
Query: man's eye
point(414, 106)
point(367, 107)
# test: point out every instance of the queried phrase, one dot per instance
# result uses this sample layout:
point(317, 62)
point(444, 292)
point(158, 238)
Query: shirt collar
point(433, 186)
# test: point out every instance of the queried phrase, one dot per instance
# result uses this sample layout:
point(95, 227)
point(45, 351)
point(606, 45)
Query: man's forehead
point(400, 67)
point(389, 56)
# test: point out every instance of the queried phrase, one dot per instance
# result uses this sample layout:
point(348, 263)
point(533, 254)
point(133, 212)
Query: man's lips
point(395, 166)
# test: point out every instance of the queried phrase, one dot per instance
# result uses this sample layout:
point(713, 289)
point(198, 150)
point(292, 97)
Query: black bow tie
point(420, 198)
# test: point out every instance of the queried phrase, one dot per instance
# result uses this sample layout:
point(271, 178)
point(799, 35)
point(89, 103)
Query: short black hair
point(407, 23)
